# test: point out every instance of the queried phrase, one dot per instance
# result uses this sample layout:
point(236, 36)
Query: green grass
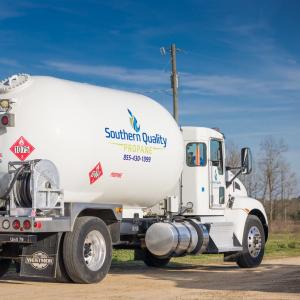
point(283, 244)
point(123, 255)
point(278, 245)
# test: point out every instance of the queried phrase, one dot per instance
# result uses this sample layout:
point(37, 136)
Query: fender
point(241, 208)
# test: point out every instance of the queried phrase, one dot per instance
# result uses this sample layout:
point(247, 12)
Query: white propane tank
point(109, 146)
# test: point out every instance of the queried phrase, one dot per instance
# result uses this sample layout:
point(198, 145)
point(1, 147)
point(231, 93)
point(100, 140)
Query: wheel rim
point(254, 241)
point(94, 250)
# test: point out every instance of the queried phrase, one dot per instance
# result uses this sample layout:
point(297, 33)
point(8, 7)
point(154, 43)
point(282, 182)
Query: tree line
point(272, 180)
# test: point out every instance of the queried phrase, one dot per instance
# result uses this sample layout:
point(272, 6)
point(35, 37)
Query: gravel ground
point(274, 279)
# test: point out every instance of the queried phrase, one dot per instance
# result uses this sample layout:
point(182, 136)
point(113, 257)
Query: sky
point(238, 63)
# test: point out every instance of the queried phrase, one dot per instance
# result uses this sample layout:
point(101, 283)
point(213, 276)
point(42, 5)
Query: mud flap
point(40, 259)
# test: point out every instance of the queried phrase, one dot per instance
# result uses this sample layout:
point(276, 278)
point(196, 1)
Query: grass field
point(278, 245)
point(283, 244)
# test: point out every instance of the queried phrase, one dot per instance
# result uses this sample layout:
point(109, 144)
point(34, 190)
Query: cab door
point(217, 174)
point(195, 188)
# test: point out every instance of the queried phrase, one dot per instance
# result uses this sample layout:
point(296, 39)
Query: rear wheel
point(154, 261)
point(4, 266)
point(253, 244)
point(87, 250)
point(61, 272)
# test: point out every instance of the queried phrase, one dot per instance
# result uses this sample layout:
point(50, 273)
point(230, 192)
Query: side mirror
point(246, 161)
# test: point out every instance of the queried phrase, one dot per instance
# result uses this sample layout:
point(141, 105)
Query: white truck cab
point(209, 193)
point(210, 190)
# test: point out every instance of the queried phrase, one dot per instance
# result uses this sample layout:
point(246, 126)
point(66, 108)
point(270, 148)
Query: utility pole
point(174, 82)
point(174, 78)
point(174, 85)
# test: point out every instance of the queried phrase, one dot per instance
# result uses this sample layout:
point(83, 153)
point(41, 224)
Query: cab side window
point(216, 155)
point(196, 154)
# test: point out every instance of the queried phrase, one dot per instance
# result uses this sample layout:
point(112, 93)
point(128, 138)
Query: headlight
point(4, 105)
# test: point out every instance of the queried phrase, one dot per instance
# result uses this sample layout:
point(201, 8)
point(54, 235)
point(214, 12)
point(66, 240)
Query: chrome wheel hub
point(254, 241)
point(94, 250)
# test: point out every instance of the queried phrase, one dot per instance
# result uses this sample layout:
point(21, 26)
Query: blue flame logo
point(134, 122)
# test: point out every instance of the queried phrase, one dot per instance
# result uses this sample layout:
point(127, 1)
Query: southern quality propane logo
point(137, 142)
point(144, 137)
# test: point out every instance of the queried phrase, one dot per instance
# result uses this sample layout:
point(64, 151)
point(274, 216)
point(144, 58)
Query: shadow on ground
point(279, 278)
point(269, 277)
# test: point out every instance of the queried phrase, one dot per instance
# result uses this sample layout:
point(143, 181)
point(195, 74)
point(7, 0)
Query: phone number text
point(137, 158)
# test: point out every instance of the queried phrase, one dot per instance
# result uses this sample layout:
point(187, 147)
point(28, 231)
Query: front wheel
point(253, 244)
point(87, 250)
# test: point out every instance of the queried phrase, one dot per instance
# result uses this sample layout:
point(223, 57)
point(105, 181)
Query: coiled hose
point(21, 185)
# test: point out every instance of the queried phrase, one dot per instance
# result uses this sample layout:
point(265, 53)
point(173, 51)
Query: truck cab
point(204, 174)
point(210, 193)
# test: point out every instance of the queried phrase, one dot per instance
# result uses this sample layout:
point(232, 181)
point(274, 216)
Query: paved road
point(275, 279)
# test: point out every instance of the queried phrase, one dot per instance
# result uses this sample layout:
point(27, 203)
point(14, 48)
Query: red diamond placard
point(96, 173)
point(21, 148)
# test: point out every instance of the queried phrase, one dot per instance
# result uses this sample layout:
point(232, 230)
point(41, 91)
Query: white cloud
point(9, 62)
point(137, 76)
point(285, 79)
point(194, 109)
point(220, 85)
point(290, 77)
point(246, 29)
point(190, 83)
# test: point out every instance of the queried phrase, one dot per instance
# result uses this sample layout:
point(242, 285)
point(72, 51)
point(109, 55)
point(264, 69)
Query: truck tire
point(253, 244)
point(87, 250)
point(151, 260)
point(4, 266)
point(61, 272)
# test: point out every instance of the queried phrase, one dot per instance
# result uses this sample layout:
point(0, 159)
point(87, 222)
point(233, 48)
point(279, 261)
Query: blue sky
point(239, 66)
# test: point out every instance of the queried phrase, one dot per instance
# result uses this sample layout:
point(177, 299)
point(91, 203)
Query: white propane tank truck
point(86, 169)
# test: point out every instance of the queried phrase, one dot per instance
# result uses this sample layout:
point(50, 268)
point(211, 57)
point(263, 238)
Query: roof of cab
point(194, 133)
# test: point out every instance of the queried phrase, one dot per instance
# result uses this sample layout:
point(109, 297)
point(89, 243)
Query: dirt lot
point(275, 279)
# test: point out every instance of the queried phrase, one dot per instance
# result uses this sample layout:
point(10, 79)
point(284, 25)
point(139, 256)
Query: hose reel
point(21, 189)
point(34, 184)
